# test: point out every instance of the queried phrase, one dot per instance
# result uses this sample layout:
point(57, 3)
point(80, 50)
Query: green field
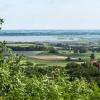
point(19, 44)
point(29, 55)
point(49, 63)
point(61, 52)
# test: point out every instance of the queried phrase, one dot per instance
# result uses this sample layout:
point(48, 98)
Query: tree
point(1, 22)
point(68, 59)
point(83, 50)
point(76, 51)
point(53, 50)
point(92, 56)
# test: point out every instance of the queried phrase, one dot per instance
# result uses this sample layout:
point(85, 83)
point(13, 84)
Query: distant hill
point(47, 32)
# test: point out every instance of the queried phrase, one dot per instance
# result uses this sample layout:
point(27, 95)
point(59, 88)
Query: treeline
point(28, 48)
point(48, 33)
point(59, 46)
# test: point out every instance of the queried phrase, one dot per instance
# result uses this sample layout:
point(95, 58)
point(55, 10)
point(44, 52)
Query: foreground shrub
point(86, 70)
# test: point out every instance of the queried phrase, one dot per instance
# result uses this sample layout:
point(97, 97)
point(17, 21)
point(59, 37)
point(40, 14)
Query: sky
point(50, 14)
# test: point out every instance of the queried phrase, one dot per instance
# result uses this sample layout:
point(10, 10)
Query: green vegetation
point(19, 44)
point(1, 22)
point(53, 50)
point(36, 52)
point(86, 70)
point(47, 62)
point(20, 79)
point(92, 56)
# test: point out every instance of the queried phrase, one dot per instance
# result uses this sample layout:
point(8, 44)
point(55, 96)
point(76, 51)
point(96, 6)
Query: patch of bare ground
point(50, 57)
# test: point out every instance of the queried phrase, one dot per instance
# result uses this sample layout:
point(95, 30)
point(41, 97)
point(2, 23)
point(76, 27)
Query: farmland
point(42, 53)
point(50, 71)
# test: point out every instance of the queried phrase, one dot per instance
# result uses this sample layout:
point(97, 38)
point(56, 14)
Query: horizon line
point(51, 29)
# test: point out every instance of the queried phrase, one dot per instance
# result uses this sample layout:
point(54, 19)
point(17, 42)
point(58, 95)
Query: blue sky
point(50, 14)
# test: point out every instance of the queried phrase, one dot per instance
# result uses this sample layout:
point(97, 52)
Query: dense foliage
point(86, 70)
point(21, 80)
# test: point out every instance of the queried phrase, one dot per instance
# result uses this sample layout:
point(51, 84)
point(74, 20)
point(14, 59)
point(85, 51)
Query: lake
point(47, 35)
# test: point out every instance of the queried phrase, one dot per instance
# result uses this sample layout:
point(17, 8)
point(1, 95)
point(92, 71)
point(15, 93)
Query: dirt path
point(49, 57)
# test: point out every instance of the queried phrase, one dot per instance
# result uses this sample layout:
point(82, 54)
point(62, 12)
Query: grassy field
point(29, 53)
point(79, 55)
point(48, 59)
point(40, 62)
point(48, 62)
point(38, 57)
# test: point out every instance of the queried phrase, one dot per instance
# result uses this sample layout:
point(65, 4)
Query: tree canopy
point(1, 22)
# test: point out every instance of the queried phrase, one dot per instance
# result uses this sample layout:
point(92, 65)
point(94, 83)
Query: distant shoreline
point(47, 32)
point(28, 36)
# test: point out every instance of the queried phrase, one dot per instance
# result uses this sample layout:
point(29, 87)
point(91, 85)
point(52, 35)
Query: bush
point(68, 59)
point(86, 70)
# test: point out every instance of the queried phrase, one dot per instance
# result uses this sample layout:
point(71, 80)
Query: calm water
point(36, 38)
point(47, 35)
